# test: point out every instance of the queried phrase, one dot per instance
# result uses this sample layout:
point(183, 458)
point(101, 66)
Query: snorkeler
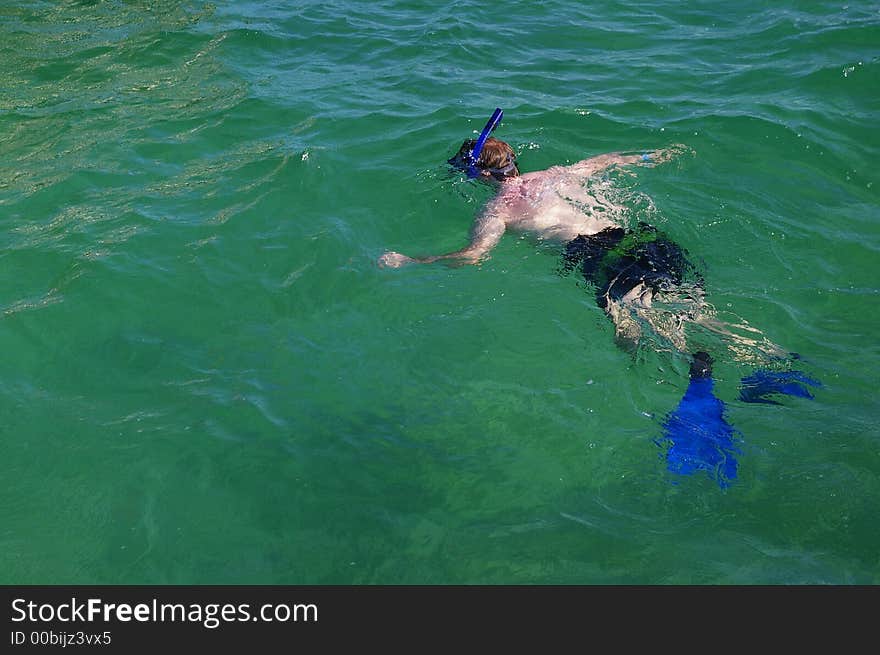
point(642, 281)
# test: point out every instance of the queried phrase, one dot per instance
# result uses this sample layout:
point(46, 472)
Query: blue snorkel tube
point(491, 124)
point(469, 161)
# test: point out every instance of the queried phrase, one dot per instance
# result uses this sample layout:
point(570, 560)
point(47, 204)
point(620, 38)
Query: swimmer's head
point(496, 159)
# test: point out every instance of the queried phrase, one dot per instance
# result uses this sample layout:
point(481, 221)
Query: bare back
point(554, 204)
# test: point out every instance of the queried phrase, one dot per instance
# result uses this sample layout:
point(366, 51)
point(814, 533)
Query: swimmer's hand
point(393, 259)
point(666, 154)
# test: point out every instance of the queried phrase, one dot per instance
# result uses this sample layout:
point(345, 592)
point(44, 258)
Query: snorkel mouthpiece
point(469, 161)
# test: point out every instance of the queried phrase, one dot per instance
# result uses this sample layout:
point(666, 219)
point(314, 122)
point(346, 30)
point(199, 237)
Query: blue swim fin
point(697, 436)
point(757, 387)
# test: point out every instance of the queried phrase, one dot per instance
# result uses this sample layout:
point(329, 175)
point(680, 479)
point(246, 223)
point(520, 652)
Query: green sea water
point(206, 378)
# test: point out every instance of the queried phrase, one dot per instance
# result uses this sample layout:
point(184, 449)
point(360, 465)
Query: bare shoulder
point(529, 184)
point(544, 175)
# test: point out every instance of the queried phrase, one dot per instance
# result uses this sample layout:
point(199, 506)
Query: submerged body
point(643, 281)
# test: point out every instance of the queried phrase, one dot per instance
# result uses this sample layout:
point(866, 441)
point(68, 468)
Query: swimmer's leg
point(634, 313)
point(627, 329)
point(696, 434)
point(747, 344)
point(767, 381)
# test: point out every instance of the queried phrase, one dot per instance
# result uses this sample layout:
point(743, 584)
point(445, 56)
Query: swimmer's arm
point(600, 163)
point(485, 235)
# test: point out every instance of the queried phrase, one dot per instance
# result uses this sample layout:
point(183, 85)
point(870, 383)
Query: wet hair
point(497, 158)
